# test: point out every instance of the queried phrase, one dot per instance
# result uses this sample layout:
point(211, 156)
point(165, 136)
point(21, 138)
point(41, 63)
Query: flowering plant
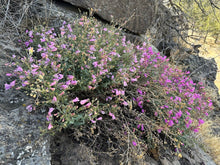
point(84, 71)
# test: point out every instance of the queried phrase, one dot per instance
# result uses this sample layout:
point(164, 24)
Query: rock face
point(135, 15)
point(20, 142)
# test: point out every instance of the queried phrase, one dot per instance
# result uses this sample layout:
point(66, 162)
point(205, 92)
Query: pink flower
point(125, 83)
point(133, 79)
point(8, 74)
point(95, 64)
point(62, 93)
point(92, 48)
point(93, 121)
point(53, 83)
point(70, 77)
point(159, 130)
point(53, 89)
point(75, 100)
point(170, 123)
point(112, 115)
point(201, 121)
point(81, 23)
point(54, 99)
point(196, 130)
point(73, 82)
point(125, 103)
point(100, 118)
point(88, 105)
point(50, 126)
point(51, 110)
point(82, 102)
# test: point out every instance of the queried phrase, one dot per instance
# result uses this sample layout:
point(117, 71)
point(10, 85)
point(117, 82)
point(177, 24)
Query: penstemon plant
point(85, 71)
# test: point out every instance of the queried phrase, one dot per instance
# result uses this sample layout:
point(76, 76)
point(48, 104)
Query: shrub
point(84, 72)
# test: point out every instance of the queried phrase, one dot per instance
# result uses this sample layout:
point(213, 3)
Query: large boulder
point(136, 16)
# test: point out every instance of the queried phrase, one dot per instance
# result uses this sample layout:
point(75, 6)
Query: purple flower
point(25, 83)
point(95, 64)
point(142, 127)
point(9, 86)
point(201, 121)
point(171, 123)
point(64, 86)
point(29, 108)
point(108, 98)
point(69, 27)
point(42, 39)
point(159, 130)
point(51, 110)
point(18, 69)
point(31, 34)
point(92, 48)
point(63, 46)
point(134, 143)
point(196, 130)
point(77, 52)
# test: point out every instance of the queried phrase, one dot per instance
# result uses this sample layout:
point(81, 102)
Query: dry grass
point(210, 139)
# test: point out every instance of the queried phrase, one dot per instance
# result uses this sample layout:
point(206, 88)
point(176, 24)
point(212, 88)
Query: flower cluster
point(83, 57)
point(85, 71)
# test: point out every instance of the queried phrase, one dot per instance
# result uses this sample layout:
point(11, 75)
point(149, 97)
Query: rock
point(176, 162)
point(136, 16)
point(203, 70)
point(164, 161)
point(21, 142)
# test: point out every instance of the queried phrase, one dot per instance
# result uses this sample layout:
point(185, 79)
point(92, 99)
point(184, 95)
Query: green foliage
point(204, 16)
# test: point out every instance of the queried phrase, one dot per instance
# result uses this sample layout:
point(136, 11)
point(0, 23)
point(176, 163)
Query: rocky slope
point(21, 142)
